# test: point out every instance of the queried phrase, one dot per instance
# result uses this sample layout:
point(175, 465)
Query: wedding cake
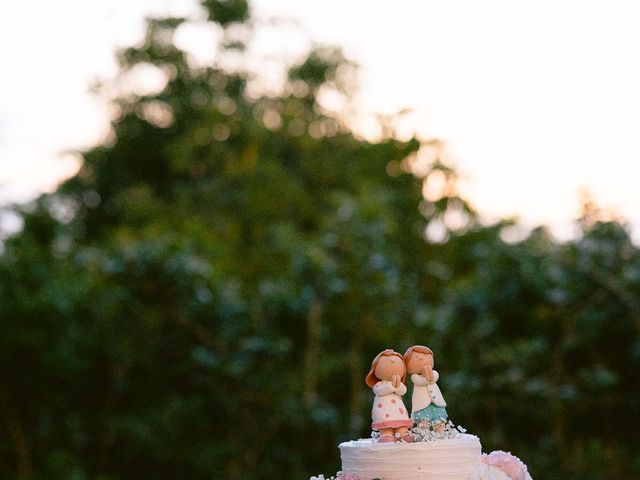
point(424, 444)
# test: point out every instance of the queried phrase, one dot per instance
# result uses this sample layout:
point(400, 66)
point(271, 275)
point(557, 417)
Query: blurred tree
point(202, 299)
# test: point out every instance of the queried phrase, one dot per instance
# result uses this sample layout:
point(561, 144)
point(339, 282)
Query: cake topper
point(389, 415)
point(427, 403)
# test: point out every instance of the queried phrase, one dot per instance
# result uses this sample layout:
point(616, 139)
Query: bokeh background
point(202, 296)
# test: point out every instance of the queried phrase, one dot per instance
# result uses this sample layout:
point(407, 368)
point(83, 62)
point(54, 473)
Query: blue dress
point(432, 413)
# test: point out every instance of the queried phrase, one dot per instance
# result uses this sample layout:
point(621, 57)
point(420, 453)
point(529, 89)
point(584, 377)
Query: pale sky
point(534, 100)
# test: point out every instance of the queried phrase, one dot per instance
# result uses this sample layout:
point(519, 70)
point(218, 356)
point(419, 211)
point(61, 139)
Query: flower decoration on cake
point(389, 415)
point(348, 476)
point(339, 476)
point(500, 465)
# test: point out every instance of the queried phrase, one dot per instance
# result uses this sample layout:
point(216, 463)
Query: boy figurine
point(427, 403)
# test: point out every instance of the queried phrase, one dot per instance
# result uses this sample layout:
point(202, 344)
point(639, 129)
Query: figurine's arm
point(402, 389)
point(418, 379)
point(384, 388)
point(435, 392)
point(436, 376)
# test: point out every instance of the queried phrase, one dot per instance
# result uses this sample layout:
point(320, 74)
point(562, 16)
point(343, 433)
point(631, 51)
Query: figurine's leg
point(424, 423)
point(386, 435)
point(404, 435)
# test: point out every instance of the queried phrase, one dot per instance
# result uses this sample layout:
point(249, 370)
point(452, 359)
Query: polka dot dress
point(388, 410)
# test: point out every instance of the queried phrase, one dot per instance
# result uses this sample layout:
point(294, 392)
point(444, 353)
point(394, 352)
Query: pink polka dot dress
point(388, 410)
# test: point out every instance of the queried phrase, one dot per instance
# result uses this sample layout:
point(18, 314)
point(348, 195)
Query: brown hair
point(416, 348)
point(371, 378)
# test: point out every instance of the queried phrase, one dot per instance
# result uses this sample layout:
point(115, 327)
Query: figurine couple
point(387, 379)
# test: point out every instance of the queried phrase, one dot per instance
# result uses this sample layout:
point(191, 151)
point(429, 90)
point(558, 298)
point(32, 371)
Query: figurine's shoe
point(386, 439)
point(407, 438)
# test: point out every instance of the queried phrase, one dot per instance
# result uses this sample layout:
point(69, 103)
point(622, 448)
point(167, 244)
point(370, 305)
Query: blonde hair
point(416, 348)
point(371, 378)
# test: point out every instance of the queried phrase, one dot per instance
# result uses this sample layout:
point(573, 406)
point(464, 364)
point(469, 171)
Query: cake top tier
point(452, 459)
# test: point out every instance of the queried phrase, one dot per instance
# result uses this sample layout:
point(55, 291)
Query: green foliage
point(202, 299)
point(226, 12)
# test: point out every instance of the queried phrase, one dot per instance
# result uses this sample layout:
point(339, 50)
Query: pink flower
point(507, 463)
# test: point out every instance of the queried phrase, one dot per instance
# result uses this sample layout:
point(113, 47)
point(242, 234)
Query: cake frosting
point(446, 459)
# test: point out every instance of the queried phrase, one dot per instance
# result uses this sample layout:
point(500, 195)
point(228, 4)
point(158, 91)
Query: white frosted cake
point(447, 459)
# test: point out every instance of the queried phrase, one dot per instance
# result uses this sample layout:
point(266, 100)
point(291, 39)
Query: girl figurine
point(389, 415)
point(427, 403)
